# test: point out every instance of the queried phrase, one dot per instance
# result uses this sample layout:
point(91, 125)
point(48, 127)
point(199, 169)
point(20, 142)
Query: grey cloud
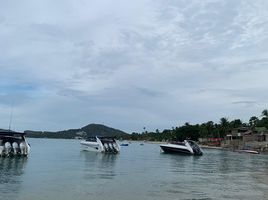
point(149, 92)
point(2, 19)
point(49, 30)
point(246, 103)
point(134, 64)
point(15, 99)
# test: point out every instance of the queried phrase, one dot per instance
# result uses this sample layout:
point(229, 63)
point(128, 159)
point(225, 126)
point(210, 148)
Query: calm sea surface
point(58, 170)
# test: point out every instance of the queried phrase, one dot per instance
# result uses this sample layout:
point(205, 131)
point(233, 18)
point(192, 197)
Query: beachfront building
point(210, 141)
point(247, 138)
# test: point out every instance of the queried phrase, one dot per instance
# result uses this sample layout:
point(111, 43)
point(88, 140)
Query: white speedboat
point(13, 144)
point(187, 147)
point(101, 144)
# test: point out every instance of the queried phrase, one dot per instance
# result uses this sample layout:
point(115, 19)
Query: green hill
point(86, 131)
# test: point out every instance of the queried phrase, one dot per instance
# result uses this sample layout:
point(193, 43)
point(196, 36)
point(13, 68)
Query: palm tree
point(264, 120)
point(224, 126)
point(236, 123)
point(144, 130)
point(253, 121)
point(209, 128)
point(265, 113)
point(223, 121)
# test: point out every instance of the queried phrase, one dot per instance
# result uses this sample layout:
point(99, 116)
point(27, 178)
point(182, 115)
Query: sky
point(131, 64)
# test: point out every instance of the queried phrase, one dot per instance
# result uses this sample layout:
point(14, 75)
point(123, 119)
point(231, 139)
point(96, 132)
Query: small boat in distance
point(101, 144)
point(247, 151)
point(13, 144)
point(187, 147)
point(142, 143)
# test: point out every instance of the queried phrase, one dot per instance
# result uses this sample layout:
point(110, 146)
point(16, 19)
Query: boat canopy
point(106, 137)
point(11, 133)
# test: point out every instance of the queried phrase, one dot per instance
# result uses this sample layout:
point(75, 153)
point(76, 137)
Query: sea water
point(58, 170)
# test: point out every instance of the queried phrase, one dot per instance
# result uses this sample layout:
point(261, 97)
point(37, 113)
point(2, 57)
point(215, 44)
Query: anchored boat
point(13, 144)
point(101, 144)
point(247, 151)
point(187, 147)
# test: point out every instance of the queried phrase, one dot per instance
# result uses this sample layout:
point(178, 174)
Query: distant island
point(233, 134)
point(84, 132)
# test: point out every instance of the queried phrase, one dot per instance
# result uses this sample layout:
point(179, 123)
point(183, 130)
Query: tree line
point(204, 130)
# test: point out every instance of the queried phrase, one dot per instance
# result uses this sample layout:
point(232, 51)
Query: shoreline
point(210, 147)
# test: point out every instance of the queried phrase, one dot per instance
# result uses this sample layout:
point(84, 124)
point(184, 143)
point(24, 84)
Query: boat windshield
point(178, 143)
point(91, 139)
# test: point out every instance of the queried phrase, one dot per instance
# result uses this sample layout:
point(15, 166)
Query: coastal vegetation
point(208, 129)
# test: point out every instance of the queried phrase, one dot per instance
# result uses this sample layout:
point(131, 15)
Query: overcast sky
point(131, 64)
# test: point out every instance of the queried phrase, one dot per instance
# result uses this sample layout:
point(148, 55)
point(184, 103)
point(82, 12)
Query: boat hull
point(174, 150)
point(90, 147)
point(101, 144)
point(247, 151)
point(187, 147)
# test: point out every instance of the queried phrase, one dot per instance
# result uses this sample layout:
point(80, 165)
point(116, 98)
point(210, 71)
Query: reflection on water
point(60, 170)
point(215, 175)
point(11, 171)
point(99, 165)
point(182, 177)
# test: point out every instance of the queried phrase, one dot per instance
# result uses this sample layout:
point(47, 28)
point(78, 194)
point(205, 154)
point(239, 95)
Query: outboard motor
point(7, 148)
point(15, 147)
point(196, 149)
point(109, 144)
point(115, 150)
point(23, 148)
point(109, 147)
point(1, 148)
point(105, 147)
